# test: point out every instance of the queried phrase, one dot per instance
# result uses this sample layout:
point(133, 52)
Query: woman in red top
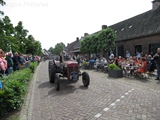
point(142, 66)
point(135, 61)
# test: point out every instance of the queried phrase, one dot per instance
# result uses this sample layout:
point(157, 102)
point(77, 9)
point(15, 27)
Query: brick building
point(140, 33)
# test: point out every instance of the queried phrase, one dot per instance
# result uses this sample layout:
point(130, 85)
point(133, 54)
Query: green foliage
point(106, 40)
point(17, 38)
point(85, 63)
point(33, 66)
point(51, 49)
point(57, 49)
point(85, 43)
point(13, 91)
point(113, 67)
point(101, 41)
point(2, 3)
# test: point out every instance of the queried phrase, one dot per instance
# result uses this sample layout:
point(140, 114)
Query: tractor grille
point(71, 69)
point(73, 73)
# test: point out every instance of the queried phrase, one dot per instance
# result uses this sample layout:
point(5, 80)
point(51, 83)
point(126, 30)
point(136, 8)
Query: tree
point(17, 38)
point(58, 48)
point(94, 43)
point(85, 44)
point(2, 3)
point(32, 46)
point(101, 41)
point(21, 36)
point(51, 49)
point(7, 41)
point(106, 40)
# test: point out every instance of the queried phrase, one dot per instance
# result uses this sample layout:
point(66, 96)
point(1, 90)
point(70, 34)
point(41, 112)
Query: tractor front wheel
point(85, 79)
point(57, 81)
point(52, 72)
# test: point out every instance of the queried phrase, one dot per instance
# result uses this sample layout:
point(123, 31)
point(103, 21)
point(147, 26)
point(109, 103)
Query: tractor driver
point(63, 57)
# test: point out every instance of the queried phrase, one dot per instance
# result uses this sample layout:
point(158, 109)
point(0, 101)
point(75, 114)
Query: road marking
point(112, 104)
point(118, 100)
point(130, 91)
point(106, 109)
point(98, 115)
point(122, 96)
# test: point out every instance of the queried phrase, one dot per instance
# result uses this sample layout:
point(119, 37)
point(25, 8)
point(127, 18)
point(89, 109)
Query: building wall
point(143, 41)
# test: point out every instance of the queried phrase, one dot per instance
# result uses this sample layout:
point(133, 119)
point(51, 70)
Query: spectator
point(143, 66)
point(27, 63)
point(119, 59)
point(3, 63)
point(135, 61)
point(157, 61)
point(127, 54)
point(148, 58)
point(16, 60)
point(111, 55)
point(38, 59)
point(138, 55)
point(22, 62)
point(112, 59)
point(9, 63)
point(91, 63)
point(142, 54)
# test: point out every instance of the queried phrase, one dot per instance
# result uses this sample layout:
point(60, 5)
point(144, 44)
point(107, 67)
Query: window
point(138, 48)
point(130, 26)
point(121, 50)
point(122, 29)
point(153, 48)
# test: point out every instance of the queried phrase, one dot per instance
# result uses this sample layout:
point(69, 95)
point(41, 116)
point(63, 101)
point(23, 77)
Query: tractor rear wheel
point(57, 81)
point(85, 79)
point(52, 72)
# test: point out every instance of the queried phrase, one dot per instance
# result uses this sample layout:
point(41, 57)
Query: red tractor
point(69, 69)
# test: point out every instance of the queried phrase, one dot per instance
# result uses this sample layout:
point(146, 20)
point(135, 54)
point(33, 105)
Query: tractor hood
point(71, 63)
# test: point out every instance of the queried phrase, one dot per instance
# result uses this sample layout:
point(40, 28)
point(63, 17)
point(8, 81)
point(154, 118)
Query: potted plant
point(114, 71)
point(85, 65)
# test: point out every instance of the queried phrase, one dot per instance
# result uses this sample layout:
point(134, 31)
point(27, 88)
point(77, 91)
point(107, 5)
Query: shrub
point(13, 91)
point(33, 65)
point(85, 63)
point(113, 67)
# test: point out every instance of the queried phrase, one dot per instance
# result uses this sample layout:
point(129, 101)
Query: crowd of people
point(137, 65)
point(134, 65)
point(10, 62)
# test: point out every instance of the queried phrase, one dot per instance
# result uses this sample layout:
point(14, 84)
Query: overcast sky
point(54, 21)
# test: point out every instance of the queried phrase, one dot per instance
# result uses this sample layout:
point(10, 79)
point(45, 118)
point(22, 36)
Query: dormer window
point(130, 26)
point(122, 29)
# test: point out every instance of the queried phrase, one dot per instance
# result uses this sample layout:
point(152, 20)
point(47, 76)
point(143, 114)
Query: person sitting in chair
point(142, 66)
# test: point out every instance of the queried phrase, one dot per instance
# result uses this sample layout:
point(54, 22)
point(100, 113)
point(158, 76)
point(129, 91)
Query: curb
point(26, 111)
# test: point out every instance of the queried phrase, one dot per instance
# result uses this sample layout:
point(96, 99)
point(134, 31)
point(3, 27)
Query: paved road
point(105, 98)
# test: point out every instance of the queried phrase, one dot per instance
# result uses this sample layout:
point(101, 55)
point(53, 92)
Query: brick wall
point(143, 41)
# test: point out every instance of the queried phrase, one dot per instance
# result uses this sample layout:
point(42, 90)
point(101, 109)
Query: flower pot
point(115, 73)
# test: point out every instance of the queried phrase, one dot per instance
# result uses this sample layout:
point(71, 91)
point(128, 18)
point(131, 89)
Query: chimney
point(82, 37)
point(155, 4)
point(104, 27)
point(77, 38)
point(85, 34)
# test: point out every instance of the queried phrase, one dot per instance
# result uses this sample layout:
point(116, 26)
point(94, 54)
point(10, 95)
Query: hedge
point(14, 88)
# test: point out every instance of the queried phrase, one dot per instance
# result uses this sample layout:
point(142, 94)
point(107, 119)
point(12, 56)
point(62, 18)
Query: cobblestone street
point(104, 99)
